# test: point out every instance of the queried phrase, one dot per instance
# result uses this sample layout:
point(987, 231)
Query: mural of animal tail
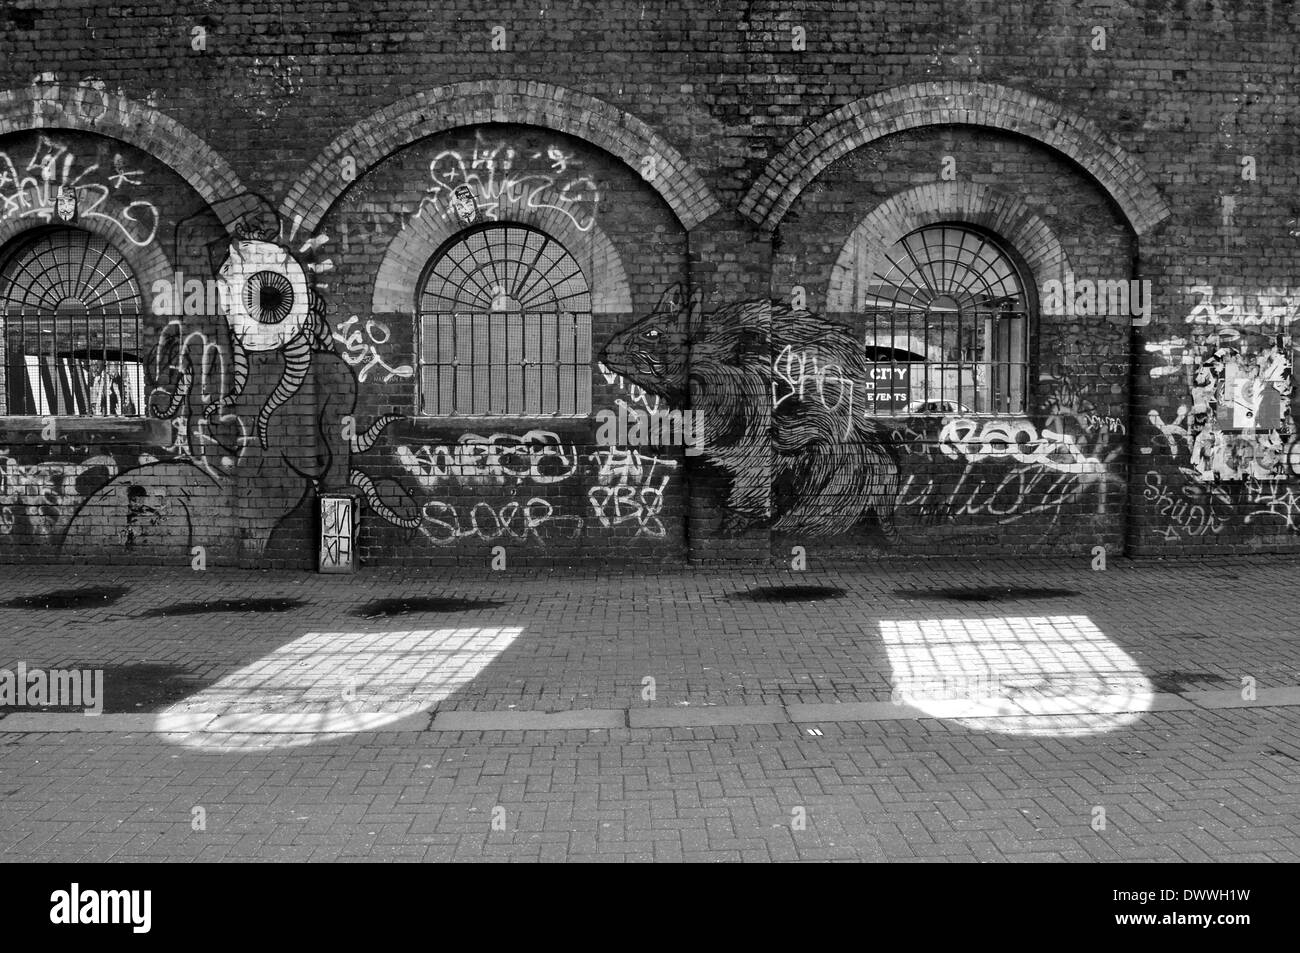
point(780, 392)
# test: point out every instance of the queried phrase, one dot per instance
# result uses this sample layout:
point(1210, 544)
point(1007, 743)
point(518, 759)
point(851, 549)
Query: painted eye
point(652, 334)
point(268, 297)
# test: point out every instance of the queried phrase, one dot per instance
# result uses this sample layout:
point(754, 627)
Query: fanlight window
point(505, 327)
point(70, 314)
point(951, 303)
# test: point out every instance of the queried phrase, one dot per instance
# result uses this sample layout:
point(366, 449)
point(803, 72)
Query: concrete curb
point(602, 719)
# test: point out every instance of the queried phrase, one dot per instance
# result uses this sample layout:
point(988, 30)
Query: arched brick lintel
point(397, 282)
point(1006, 216)
point(88, 108)
point(147, 259)
point(954, 103)
point(443, 108)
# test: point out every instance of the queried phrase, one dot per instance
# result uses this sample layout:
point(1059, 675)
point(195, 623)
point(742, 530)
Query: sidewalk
point(959, 710)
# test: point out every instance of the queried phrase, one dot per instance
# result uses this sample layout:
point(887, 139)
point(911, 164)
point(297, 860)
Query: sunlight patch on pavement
point(332, 684)
point(1043, 675)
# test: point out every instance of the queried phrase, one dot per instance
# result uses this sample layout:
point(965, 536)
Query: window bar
point(893, 360)
point(42, 401)
point(944, 368)
point(77, 362)
point(21, 337)
point(83, 363)
point(22, 407)
point(29, 407)
point(121, 368)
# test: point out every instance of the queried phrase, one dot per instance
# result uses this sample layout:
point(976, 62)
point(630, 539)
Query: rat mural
point(775, 387)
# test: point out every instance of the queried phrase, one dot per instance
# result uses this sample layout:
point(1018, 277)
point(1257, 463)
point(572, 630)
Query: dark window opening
point(70, 315)
point(947, 323)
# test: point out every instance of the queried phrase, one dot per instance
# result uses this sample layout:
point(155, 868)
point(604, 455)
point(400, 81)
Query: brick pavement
point(1203, 778)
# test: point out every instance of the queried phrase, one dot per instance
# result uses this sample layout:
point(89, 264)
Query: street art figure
point(831, 466)
point(266, 302)
point(184, 499)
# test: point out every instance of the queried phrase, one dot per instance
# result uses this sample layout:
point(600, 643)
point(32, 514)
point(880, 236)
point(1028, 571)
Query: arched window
point(70, 310)
point(957, 294)
point(505, 327)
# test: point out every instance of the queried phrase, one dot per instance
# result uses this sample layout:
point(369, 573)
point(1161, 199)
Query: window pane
point(70, 311)
point(517, 350)
point(945, 325)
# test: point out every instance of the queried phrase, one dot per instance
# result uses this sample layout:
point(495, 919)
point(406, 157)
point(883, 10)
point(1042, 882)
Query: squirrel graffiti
point(829, 467)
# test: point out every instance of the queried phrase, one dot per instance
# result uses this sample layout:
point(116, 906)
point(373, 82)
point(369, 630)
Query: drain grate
point(222, 605)
point(985, 593)
point(789, 594)
point(381, 608)
point(87, 597)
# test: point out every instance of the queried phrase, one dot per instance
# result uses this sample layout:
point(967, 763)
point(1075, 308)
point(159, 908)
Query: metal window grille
point(947, 326)
point(70, 311)
point(505, 327)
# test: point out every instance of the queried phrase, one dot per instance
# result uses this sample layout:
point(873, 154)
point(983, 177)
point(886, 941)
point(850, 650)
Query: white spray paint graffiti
point(174, 360)
point(1232, 306)
point(47, 492)
point(801, 376)
point(1017, 440)
point(1190, 511)
point(361, 348)
point(630, 487)
point(1273, 499)
point(636, 394)
point(29, 188)
point(532, 519)
point(537, 457)
point(1052, 470)
point(627, 491)
point(490, 174)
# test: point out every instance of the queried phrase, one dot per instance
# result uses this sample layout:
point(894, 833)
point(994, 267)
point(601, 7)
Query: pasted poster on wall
point(888, 389)
point(1237, 424)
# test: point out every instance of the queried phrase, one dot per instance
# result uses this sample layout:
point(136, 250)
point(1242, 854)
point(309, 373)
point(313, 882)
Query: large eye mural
point(267, 304)
point(267, 300)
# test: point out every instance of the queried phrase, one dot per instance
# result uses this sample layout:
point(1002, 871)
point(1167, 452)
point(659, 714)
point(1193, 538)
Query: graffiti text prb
point(1117, 300)
point(632, 427)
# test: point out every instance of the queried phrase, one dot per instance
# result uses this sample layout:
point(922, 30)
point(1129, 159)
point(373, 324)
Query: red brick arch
point(92, 109)
point(954, 103)
point(429, 112)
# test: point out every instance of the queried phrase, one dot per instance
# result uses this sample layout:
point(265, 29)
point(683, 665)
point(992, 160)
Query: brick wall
point(738, 151)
